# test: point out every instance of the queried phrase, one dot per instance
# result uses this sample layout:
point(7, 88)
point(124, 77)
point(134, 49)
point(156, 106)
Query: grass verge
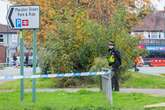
point(14, 85)
point(138, 80)
point(82, 100)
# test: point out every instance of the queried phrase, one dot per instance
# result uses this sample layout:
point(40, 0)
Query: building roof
point(153, 23)
point(6, 29)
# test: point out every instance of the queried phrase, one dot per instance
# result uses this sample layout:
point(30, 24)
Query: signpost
point(25, 17)
point(22, 65)
point(34, 65)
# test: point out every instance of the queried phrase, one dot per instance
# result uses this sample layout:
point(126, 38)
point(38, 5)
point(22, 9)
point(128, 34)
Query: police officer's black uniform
point(115, 66)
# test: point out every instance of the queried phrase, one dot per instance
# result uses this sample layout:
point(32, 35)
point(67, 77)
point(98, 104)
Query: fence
point(105, 76)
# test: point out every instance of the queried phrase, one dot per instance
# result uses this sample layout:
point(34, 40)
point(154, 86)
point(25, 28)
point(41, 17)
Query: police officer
point(114, 60)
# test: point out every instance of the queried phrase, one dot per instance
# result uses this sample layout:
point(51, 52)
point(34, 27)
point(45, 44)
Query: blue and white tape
point(53, 75)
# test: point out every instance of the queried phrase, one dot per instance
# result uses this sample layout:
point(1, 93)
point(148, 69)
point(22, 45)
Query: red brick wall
point(2, 54)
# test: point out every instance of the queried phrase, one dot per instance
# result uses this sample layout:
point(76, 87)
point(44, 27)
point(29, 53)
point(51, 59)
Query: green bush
point(78, 50)
point(99, 63)
point(91, 81)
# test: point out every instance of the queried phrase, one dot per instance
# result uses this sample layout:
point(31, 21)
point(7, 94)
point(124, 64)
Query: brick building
point(9, 43)
point(152, 30)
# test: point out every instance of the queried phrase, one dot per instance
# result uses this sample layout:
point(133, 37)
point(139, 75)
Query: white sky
point(3, 11)
point(159, 4)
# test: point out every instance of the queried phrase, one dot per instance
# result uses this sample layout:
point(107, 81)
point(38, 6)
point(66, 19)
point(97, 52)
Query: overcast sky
point(159, 4)
point(3, 11)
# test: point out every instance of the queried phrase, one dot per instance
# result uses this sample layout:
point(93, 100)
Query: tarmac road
point(11, 71)
point(152, 70)
point(14, 71)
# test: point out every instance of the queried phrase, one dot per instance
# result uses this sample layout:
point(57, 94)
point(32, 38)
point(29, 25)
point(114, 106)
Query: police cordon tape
point(60, 75)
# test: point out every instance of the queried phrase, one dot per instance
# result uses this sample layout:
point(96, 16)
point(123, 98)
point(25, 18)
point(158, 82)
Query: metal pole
point(7, 52)
point(8, 46)
point(110, 88)
point(107, 85)
point(22, 65)
point(34, 65)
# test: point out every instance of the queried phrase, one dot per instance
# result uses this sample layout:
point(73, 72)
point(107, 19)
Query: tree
point(76, 18)
point(76, 32)
point(99, 10)
point(119, 33)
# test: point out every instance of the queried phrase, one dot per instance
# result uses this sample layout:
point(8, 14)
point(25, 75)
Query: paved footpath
point(158, 92)
point(155, 92)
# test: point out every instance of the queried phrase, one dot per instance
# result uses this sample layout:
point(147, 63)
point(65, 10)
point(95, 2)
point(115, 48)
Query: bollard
point(107, 84)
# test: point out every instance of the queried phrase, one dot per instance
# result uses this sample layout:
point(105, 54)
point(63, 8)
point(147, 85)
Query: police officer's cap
point(111, 43)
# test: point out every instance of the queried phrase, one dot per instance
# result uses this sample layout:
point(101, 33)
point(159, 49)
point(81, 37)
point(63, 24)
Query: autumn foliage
point(73, 34)
point(99, 10)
